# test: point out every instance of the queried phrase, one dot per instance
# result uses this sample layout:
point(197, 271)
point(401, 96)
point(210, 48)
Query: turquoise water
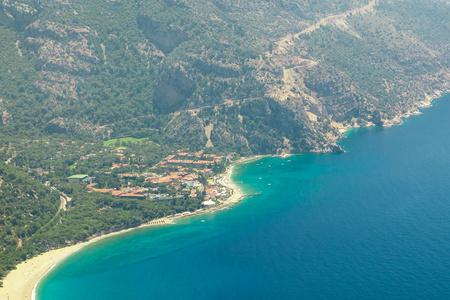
point(370, 223)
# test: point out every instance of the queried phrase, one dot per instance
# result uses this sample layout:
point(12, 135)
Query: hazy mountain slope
point(271, 76)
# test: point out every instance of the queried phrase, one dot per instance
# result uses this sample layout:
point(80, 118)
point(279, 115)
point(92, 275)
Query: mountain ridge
point(341, 64)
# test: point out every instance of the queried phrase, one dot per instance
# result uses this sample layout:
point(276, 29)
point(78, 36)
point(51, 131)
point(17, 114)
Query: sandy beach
point(21, 282)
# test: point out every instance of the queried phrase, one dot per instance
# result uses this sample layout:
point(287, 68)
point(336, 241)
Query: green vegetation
point(123, 141)
point(33, 221)
point(86, 85)
point(27, 207)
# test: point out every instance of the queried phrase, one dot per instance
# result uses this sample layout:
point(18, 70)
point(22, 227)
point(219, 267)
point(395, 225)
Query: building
point(79, 178)
point(132, 195)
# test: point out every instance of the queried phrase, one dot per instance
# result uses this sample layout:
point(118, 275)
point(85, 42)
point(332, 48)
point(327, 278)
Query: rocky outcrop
point(5, 116)
point(64, 55)
point(16, 13)
point(58, 125)
point(172, 90)
point(163, 37)
point(73, 127)
point(61, 48)
point(264, 126)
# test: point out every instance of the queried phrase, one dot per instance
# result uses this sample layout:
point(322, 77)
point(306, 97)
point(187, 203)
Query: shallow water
point(370, 223)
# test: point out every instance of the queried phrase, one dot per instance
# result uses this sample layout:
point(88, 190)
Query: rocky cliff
point(16, 13)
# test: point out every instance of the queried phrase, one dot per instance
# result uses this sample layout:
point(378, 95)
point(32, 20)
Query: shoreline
point(22, 282)
point(399, 118)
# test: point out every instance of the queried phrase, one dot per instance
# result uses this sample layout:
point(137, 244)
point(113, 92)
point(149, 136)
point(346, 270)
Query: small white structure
point(209, 202)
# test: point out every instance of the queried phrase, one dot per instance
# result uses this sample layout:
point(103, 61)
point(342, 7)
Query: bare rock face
point(166, 39)
point(62, 125)
point(16, 13)
point(64, 55)
point(172, 90)
point(5, 116)
point(61, 48)
point(58, 125)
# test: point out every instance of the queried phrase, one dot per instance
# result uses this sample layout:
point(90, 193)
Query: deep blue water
point(372, 223)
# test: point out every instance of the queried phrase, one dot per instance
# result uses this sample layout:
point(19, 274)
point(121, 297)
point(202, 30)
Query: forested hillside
point(271, 76)
point(250, 77)
point(36, 218)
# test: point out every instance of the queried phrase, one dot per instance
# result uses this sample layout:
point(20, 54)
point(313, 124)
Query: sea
point(370, 223)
